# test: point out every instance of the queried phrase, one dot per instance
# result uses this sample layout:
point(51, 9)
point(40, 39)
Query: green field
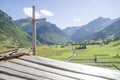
point(54, 52)
point(111, 49)
point(109, 54)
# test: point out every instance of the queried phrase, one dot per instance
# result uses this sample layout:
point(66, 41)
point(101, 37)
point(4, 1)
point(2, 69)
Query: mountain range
point(48, 33)
point(110, 32)
point(90, 29)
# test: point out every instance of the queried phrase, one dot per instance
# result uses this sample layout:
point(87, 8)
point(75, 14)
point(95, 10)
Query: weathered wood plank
point(55, 71)
point(14, 53)
point(39, 68)
point(19, 74)
point(32, 72)
point(75, 68)
point(9, 77)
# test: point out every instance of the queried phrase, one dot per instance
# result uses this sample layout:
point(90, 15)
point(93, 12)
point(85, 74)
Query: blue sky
point(63, 13)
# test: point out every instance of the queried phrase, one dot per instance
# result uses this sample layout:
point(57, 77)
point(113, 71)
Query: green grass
point(84, 55)
point(54, 52)
point(111, 49)
point(63, 56)
point(92, 50)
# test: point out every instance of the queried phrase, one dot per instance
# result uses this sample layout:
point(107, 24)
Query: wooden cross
point(34, 28)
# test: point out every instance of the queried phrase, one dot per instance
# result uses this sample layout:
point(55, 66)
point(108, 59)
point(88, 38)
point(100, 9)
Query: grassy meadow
point(112, 49)
point(108, 54)
point(54, 52)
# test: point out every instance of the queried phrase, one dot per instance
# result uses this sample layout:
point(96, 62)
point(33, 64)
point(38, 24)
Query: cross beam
point(34, 28)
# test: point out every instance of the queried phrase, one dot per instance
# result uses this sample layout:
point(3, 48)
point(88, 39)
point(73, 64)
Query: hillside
point(47, 33)
point(10, 34)
point(112, 31)
point(51, 34)
point(91, 28)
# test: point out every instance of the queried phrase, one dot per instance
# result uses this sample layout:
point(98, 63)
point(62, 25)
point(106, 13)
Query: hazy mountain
point(10, 34)
point(27, 27)
point(47, 33)
point(112, 31)
point(69, 31)
point(91, 28)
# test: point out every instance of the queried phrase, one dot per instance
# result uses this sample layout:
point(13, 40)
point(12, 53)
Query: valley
point(96, 43)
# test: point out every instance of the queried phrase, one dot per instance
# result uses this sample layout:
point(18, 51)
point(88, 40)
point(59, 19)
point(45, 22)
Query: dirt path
point(71, 57)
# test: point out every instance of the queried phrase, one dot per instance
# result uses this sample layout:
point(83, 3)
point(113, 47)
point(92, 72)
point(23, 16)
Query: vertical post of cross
point(34, 21)
point(33, 30)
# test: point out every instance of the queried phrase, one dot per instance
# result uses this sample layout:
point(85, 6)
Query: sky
point(63, 13)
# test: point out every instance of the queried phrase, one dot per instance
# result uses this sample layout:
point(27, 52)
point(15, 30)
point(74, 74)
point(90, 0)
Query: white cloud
point(76, 20)
point(46, 13)
point(28, 12)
